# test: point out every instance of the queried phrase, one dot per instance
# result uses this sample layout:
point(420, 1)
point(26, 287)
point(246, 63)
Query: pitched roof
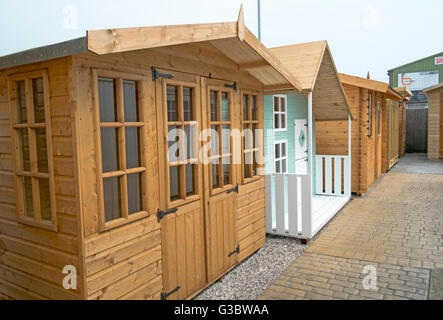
point(313, 66)
point(232, 38)
point(419, 60)
point(379, 86)
point(435, 87)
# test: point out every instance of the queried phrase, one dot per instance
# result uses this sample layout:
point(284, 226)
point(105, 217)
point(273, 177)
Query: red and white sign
point(438, 60)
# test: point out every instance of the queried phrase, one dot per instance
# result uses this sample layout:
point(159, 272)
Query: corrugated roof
point(419, 60)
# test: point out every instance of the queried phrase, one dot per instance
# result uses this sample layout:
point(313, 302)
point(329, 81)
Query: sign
point(438, 60)
point(417, 81)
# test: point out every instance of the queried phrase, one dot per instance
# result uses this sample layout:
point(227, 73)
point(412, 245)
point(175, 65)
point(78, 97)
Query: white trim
point(280, 142)
point(279, 113)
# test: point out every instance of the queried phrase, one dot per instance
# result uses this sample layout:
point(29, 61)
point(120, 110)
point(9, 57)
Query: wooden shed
point(86, 181)
point(368, 101)
point(435, 121)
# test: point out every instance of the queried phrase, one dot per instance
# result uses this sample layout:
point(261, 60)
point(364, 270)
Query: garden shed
point(368, 100)
point(406, 94)
point(435, 121)
point(89, 177)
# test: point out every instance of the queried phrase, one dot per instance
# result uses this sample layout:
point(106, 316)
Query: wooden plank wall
point(402, 129)
point(434, 124)
point(32, 259)
point(251, 218)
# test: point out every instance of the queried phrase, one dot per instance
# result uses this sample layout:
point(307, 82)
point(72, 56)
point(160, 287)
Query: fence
point(288, 205)
point(332, 175)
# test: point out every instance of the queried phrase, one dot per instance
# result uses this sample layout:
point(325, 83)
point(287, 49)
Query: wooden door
point(301, 146)
point(417, 130)
point(221, 180)
point(181, 214)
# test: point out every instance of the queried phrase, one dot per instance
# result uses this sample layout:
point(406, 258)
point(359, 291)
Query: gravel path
point(249, 279)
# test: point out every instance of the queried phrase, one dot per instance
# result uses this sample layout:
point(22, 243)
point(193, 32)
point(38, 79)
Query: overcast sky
point(363, 35)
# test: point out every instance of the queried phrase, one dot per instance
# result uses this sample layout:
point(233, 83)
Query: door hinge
point(161, 214)
point(164, 296)
point(156, 74)
point(235, 189)
point(232, 86)
point(237, 251)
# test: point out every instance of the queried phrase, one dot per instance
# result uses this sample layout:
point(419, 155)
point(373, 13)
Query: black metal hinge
point(237, 251)
point(156, 74)
point(161, 214)
point(232, 190)
point(164, 296)
point(232, 86)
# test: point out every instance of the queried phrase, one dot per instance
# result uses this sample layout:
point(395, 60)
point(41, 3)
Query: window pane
point(187, 104)
point(283, 150)
point(226, 139)
point(191, 141)
point(174, 182)
point(277, 166)
point(254, 107)
point(215, 140)
point(247, 161)
point(283, 121)
point(45, 202)
point(112, 198)
point(24, 148)
point(134, 193)
point(190, 179)
point(132, 147)
point(172, 103)
point(254, 164)
point(276, 104)
point(283, 167)
point(225, 107)
point(226, 170)
point(276, 121)
point(27, 196)
point(130, 101)
point(247, 133)
point(107, 100)
point(21, 102)
point(214, 105)
point(173, 143)
point(245, 108)
point(42, 150)
point(109, 144)
point(254, 136)
point(215, 174)
point(277, 151)
point(282, 104)
point(39, 101)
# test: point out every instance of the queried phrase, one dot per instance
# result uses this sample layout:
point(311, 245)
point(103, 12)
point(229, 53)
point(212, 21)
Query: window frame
point(281, 142)
point(250, 123)
point(31, 127)
point(379, 118)
point(120, 124)
point(280, 113)
point(370, 111)
point(184, 199)
point(220, 123)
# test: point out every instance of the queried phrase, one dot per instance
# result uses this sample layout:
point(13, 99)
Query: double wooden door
point(198, 197)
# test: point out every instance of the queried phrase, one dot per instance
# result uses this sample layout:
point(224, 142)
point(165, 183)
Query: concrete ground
point(395, 233)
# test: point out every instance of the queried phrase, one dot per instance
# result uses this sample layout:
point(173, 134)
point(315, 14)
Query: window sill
point(181, 202)
point(46, 225)
point(123, 221)
point(281, 130)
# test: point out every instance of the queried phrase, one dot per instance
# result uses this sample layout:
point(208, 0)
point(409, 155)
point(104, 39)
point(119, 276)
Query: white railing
point(332, 175)
point(288, 205)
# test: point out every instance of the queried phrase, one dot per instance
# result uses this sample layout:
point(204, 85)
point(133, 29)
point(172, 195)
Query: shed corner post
point(309, 230)
point(350, 154)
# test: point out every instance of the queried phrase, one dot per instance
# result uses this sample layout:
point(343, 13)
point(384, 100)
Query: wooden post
point(349, 154)
point(307, 221)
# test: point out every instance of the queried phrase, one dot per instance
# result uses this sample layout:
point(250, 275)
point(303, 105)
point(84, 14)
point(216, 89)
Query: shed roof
point(313, 66)
point(435, 87)
point(379, 86)
point(404, 91)
point(232, 38)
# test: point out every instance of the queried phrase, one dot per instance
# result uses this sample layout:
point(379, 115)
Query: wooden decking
point(324, 208)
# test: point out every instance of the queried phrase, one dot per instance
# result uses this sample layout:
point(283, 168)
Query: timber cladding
point(139, 256)
point(435, 124)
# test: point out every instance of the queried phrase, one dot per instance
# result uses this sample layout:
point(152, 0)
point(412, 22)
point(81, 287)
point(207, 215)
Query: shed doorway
point(417, 130)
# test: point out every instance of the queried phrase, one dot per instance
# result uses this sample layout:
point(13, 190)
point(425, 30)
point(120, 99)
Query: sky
point(363, 35)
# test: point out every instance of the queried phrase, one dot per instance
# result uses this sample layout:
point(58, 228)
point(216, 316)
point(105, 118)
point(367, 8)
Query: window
point(120, 139)
point(250, 140)
point(370, 116)
point(280, 107)
point(182, 154)
point(221, 124)
point(378, 118)
point(281, 157)
point(31, 123)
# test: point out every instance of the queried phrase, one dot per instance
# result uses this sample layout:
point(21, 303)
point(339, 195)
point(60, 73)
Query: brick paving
point(397, 228)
